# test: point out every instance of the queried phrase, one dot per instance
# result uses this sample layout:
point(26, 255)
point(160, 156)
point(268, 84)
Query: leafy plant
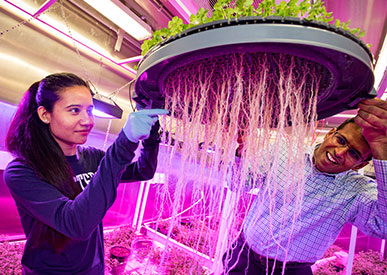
point(196, 234)
point(364, 262)
point(10, 257)
point(121, 236)
point(227, 9)
point(176, 262)
point(369, 262)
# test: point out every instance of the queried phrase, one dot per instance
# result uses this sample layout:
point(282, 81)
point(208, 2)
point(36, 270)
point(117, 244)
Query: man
point(334, 194)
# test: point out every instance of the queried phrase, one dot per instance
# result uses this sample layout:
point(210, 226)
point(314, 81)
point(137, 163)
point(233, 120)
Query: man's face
point(342, 150)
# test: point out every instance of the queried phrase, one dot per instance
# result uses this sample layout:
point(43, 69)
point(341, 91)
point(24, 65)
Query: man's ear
point(361, 165)
point(44, 115)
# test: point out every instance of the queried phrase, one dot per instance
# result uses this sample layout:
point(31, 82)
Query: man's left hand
point(372, 117)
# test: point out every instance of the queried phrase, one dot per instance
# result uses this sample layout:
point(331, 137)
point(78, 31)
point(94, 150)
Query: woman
point(62, 191)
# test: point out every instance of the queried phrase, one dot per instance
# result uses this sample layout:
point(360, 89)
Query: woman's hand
point(139, 124)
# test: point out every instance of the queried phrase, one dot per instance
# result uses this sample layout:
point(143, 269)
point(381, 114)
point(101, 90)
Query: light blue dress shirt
point(329, 202)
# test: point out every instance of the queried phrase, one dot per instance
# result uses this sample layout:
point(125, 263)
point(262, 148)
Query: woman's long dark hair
point(30, 140)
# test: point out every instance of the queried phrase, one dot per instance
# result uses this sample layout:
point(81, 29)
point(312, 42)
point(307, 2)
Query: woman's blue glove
point(139, 124)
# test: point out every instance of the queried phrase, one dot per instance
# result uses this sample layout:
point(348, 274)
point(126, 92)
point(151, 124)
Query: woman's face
point(71, 119)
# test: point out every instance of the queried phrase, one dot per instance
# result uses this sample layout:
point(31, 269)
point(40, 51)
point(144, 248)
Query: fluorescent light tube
point(123, 17)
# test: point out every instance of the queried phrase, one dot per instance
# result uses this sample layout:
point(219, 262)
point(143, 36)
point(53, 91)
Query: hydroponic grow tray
point(343, 61)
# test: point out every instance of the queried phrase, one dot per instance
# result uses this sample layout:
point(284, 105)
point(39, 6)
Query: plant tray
point(342, 60)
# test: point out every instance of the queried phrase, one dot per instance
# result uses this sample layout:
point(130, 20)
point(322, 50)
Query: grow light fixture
point(55, 28)
point(105, 107)
point(123, 17)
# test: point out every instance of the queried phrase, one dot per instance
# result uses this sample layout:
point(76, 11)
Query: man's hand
point(372, 117)
point(341, 258)
point(139, 124)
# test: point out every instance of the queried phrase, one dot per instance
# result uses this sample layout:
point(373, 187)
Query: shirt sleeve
point(145, 166)
point(369, 210)
point(78, 218)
